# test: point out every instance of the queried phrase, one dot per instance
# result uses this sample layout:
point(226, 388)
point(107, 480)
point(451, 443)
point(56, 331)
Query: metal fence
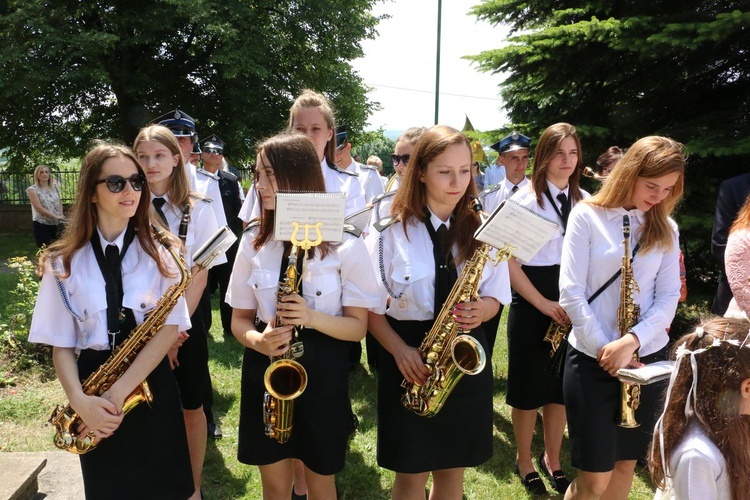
point(13, 185)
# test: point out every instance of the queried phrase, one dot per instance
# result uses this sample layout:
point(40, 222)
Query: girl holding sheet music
point(645, 185)
point(417, 266)
point(330, 312)
point(552, 192)
point(161, 159)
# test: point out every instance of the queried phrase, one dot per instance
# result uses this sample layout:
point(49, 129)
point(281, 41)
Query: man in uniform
point(367, 174)
point(514, 154)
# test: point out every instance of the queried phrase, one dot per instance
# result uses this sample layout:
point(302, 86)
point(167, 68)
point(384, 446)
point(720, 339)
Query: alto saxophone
point(446, 350)
point(627, 316)
point(556, 333)
point(65, 419)
point(285, 379)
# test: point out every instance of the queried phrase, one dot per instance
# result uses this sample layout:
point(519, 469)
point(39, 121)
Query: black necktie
point(445, 268)
point(565, 207)
point(514, 189)
point(158, 204)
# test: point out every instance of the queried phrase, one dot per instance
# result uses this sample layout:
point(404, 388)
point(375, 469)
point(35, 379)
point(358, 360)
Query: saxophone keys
point(297, 350)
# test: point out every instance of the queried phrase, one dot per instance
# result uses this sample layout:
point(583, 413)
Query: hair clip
point(700, 332)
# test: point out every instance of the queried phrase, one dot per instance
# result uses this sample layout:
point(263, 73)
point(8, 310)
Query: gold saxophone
point(556, 333)
point(446, 350)
point(627, 316)
point(65, 419)
point(285, 379)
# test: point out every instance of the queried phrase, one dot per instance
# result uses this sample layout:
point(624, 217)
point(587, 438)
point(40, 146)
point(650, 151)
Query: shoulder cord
point(64, 295)
point(382, 270)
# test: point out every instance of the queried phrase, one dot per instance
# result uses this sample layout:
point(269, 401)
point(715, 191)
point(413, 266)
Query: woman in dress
point(161, 159)
point(145, 452)
point(46, 208)
point(552, 192)
point(415, 267)
point(336, 291)
point(645, 185)
point(737, 262)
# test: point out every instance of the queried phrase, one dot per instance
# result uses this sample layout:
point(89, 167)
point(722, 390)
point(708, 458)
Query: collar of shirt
point(554, 190)
point(352, 167)
point(119, 241)
point(509, 185)
point(611, 213)
point(436, 221)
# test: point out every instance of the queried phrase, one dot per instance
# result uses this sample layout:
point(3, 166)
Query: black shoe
point(557, 478)
point(532, 482)
point(214, 431)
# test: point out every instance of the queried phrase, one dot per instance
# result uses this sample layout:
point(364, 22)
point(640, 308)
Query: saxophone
point(65, 419)
point(627, 316)
point(285, 379)
point(556, 333)
point(446, 350)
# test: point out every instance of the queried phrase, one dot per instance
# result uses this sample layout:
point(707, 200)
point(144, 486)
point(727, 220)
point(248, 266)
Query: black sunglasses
point(396, 159)
point(116, 183)
point(213, 151)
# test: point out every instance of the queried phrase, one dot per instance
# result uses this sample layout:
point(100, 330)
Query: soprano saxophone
point(446, 350)
point(627, 316)
point(285, 379)
point(65, 419)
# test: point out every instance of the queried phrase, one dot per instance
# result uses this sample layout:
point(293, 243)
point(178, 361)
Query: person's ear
point(745, 388)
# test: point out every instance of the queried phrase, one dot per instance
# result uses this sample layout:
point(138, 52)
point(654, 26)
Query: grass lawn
point(25, 407)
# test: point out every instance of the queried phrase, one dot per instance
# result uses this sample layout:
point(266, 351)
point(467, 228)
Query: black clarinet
point(182, 233)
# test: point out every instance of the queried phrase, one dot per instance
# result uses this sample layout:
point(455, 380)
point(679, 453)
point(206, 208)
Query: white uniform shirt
point(342, 278)
point(698, 470)
point(202, 226)
point(369, 179)
point(493, 174)
point(207, 184)
point(142, 284)
point(592, 253)
point(409, 267)
point(492, 200)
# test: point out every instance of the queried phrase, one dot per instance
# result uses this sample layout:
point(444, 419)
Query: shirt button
point(407, 277)
point(255, 285)
point(143, 306)
point(317, 293)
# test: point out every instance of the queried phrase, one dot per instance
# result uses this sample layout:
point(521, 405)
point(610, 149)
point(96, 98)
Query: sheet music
point(647, 374)
point(517, 226)
point(309, 209)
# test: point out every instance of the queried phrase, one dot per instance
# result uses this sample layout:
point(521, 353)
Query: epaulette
point(489, 190)
point(382, 196)
point(369, 167)
point(352, 229)
point(207, 173)
point(252, 225)
point(384, 223)
point(227, 175)
point(200, 197)
point(342, 171)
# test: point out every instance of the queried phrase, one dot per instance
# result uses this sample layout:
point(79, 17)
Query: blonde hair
point(374, 160)
point(311, 99)
point(36, 176)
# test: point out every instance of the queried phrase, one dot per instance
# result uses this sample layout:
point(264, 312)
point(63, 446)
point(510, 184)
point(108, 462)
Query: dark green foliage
point(375, 143)
point(75, 71)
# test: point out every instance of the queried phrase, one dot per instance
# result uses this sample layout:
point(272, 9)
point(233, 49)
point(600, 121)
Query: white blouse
point(342, 278)
point(550, 253)
point(592, 253)
point(142, 283)
point(206, 184)
point(200, 229)
point(409, 268)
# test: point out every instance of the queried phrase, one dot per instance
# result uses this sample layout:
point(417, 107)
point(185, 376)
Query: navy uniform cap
point(512, 142)
point(213, 143)
point(180, 123)
point(340, 137)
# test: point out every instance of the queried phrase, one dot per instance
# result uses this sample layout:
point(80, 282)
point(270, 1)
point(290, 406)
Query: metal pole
point(437, 63)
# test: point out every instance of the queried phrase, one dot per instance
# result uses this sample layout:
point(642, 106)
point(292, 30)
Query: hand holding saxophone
point(472, 314)
point(619, 354)
point(294, 310)
point(274, 340)
point(552, 309)
point(410, 363)
point(98, 414)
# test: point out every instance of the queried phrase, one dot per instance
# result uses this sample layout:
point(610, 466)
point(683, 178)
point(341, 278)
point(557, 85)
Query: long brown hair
point(743, 217)
point(650, 157)
point(84, 215)
point(721, 368)
point(311, 99)
point(546, 149)
point(410, 201)
point(296, 169)
point(179, 184)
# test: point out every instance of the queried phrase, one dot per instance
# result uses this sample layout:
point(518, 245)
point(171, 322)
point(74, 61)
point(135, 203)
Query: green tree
point(375, 143)
point(75, 71)
point(622, 70)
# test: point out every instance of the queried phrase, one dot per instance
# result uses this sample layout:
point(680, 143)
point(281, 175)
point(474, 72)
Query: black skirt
point(531, 382)
point(460, 435)
point(322, 418)
point(592, 404)
point(147, 456)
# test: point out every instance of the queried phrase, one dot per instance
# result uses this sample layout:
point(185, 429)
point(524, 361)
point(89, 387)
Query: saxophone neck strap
point(614, 277)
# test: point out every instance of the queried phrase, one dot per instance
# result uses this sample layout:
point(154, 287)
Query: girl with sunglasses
point(336, 291)
point(160, 157)
point(111, 217)
point(418, 266)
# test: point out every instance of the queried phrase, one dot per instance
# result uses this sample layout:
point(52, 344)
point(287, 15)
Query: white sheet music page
point(517, 226)
point(309, 213)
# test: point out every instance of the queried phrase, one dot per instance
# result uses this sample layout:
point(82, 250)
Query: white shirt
point(207, 184)
point(592, 253)
point(493, 174)
point(142, 284)
point(492, 199)
point(249, 205)
point(550, 253)
point(201, 228)
point(409, 268)
point(698, 470)
point(342, 278)
point(369, 179)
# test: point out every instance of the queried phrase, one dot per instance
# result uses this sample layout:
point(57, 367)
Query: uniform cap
point(213, 144)
point(180, 123)
point(512, 142)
